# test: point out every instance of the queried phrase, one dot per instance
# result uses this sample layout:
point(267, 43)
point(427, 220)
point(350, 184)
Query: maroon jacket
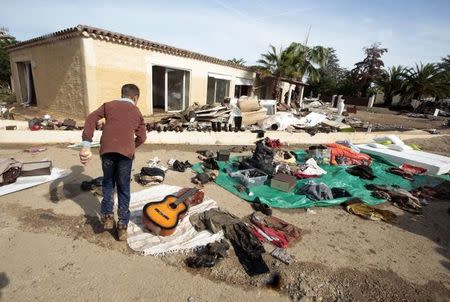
point(124, 121)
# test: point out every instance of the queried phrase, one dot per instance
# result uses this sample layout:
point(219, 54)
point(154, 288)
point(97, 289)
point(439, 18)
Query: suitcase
point(36, 168)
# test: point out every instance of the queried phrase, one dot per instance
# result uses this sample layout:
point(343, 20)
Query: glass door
point(177, 89)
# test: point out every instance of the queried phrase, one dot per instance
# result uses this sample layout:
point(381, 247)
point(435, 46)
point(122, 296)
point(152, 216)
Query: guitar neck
point(185, 196)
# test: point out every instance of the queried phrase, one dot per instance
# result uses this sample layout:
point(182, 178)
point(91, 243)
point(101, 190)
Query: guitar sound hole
point(173, 206)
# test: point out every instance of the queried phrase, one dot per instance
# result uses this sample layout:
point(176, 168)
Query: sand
point(52, 251)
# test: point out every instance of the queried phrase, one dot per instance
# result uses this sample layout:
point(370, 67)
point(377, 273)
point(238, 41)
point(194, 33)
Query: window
point(218, 88)
point(170, 88)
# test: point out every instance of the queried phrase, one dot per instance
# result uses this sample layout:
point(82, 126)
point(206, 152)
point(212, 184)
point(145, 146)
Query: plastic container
point(250, 177)
point(271, 106)
point(320, 155)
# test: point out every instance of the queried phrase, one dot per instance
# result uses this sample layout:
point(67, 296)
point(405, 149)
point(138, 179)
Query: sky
point(413, 31)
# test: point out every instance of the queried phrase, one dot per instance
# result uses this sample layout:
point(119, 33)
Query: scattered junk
point(249, 113)
point(47, 123)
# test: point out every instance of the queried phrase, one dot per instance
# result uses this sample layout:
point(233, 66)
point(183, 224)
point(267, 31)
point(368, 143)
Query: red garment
point(413, 169)
point(277, 237)
point(124, 129)
point(300, 175)
point(273, 143)
point(350, 156)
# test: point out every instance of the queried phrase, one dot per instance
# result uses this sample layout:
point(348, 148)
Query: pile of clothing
point(363, 171)
point(9, 170)
point(407, 171)
point(400, 198)
point(320, 191)
point(343, 155)
point(245, 237)
point(153, 174)
point(357, 207)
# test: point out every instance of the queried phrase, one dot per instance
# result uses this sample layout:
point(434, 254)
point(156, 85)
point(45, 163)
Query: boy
point(123, 132)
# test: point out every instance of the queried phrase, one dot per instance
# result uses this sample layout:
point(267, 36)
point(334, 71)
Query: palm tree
point(240, 61)
point(276, 63)
point(296, 62)
point(426, 80)
point(391, 82)
point(308, 60)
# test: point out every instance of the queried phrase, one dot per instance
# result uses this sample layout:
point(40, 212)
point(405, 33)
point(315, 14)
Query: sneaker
point(108, 222)
point(122, 232)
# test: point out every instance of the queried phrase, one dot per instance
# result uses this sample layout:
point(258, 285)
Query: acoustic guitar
point(161, 217)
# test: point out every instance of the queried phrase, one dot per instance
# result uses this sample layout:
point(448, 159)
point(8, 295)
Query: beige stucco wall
point(57, 74)
point(110, 65)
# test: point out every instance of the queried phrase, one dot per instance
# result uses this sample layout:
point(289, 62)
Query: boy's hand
point(85, 155)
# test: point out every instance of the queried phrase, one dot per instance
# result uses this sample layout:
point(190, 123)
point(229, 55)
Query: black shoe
point(263, 208)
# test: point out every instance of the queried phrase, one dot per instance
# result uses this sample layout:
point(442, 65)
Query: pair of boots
point(108, 224)
point(238, 124)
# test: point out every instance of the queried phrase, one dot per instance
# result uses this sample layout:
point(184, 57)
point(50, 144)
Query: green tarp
point(336, 177)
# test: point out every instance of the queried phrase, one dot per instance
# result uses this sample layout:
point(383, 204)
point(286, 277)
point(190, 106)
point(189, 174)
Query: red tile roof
point(114, 37)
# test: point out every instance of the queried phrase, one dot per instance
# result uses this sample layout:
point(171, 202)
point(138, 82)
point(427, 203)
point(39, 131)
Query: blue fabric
point(116, 173)
point(86, 144)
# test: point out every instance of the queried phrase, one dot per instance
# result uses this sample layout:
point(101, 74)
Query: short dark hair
point(130, 90)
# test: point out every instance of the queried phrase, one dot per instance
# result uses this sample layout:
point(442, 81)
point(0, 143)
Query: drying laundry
point(247, 247)
point(150, 176)
point(358, 207)
point(342, 155)
point(363, 171)
point(399, 197)
point(316, 191)
point(340, 192)
point(403, 173)
point(310, 169)
point(272, 229)
point(413, 169)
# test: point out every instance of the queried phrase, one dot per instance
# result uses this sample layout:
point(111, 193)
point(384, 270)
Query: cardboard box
point(283, 182)
point(223, 155)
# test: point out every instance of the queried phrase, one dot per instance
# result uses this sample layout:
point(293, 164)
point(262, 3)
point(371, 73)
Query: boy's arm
point(90, 125)
point(140, 132)
point(88, 132)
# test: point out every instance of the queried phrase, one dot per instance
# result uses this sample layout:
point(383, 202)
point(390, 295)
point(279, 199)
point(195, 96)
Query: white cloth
point(312, 168)
point(185, 237)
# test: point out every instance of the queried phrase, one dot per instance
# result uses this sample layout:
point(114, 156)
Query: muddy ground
point(52, 249)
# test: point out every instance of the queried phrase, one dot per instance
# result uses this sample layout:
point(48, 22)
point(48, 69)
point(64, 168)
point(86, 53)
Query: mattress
point(434, 163)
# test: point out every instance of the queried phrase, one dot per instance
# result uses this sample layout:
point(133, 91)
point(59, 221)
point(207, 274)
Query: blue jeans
point(116, 172)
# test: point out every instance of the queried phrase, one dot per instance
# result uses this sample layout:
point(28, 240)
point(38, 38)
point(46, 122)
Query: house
point(75, 70)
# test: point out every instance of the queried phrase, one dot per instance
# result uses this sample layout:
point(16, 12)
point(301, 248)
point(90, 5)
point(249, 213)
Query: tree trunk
point(388, 100)
point(276, 90)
